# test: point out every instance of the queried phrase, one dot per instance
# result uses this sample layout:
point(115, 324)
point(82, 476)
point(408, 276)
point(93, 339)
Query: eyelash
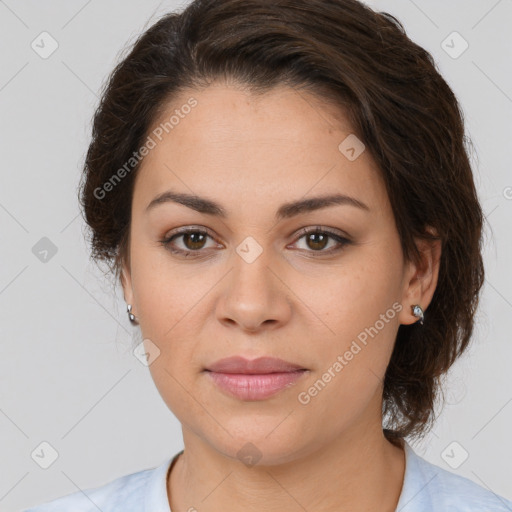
point(342, 241)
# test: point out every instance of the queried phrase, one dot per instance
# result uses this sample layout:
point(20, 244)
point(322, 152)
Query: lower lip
point(255, 387)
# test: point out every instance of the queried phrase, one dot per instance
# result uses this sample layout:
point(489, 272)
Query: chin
point(259, 442)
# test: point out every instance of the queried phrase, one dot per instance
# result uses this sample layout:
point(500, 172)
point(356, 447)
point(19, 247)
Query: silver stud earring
point(418, 312)
point(131, 316)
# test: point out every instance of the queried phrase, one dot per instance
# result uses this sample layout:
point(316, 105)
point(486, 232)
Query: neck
point(352, 473)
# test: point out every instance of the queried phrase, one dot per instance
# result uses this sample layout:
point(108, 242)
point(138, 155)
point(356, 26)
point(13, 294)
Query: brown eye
point(187, 242)
point(194, 240)
point(317, 241)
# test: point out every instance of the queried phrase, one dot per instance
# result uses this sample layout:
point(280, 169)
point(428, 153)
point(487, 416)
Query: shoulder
point(432, 487)
point(124, 493)
point(461, 493)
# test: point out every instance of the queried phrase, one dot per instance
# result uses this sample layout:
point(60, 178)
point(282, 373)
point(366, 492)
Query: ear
point(126, 283)
point(420, 280)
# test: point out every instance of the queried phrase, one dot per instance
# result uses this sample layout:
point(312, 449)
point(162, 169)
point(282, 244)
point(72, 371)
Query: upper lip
point(260, 365)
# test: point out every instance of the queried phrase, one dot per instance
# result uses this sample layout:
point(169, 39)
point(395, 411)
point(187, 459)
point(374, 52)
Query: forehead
point(282, 143)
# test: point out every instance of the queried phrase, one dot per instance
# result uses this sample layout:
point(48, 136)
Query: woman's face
point(256, 284)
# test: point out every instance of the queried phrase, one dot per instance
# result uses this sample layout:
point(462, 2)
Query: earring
point(131, 316)
point(418, 311)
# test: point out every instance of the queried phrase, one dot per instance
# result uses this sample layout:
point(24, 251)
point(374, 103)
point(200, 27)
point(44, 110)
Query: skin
point(252, 154)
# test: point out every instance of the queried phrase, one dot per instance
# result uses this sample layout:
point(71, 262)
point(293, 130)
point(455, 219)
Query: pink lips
point(255, 379)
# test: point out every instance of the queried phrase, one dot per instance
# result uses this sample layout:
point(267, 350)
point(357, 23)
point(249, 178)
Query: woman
point(283, 191)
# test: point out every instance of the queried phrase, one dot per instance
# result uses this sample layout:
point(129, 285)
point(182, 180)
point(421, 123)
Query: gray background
point(67, 376)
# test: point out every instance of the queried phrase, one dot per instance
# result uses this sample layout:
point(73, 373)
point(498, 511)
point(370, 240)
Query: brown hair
point(397, 103)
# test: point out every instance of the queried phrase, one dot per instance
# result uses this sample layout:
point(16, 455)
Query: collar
point(156, 498)
point(415, 495)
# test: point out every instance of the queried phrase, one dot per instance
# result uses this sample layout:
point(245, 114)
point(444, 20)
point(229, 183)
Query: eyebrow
point(287, 210)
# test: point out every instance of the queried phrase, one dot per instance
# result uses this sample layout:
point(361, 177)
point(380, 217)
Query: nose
point(253, 295)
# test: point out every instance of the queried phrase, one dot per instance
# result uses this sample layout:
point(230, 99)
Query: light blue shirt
point(426, 488)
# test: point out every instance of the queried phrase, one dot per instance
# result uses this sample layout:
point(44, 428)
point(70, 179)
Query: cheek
point(175, 368)
point(164, 293)
point(351, 370)
point(352, 295)
point(167, 318)
point(357, 311)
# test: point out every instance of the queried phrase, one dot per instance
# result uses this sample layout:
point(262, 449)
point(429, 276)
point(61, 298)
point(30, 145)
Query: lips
point(256, 379)
point(259, 366)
